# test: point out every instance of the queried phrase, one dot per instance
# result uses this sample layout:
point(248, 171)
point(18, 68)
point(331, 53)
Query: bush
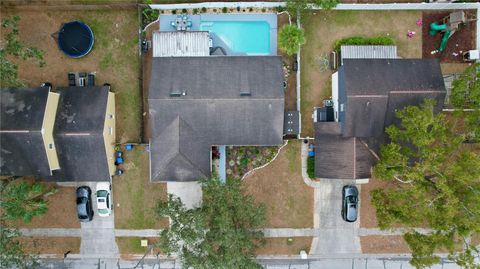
point(174, 12)
point(311, 167)
point(184, 11)
point(290, 38)
point(359, 40)
point(250, 9)
point(204, 9)
point(195, 11)
point(224, 10)
point(263, 10)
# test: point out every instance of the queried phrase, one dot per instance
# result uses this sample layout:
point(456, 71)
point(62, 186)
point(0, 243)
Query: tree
point(222, 233)
point(326, 4)
point(466, 95)
point(14, 48)
point(436, 183)
point(12, 254)
point(21, 200)
point(301, 6)
point(290, 38)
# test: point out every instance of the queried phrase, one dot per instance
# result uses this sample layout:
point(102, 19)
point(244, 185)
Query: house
point(199, 102)
point(67, 135)
point(26, 132)
point(366, 93)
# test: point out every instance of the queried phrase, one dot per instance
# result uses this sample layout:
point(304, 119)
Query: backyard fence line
point(69, 7)
point(388, 6)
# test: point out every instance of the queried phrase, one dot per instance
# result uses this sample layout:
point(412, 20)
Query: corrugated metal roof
point(178, 44)
point(368, 52)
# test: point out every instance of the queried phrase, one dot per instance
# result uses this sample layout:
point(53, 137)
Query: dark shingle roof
point(21, 119)
point(78, 134)
point(375, 88)
point(340, 157)
point(228, 101)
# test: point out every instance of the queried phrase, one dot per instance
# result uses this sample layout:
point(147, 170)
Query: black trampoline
point(75, 39)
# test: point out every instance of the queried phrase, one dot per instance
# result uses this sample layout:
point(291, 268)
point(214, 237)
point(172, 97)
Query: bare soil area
point(114, 58)
point(462, 40)
point(50, 245)
point(282, 246)
point(323, 28)
point(288, 200)
point(384, 244)
point(134, 197)
point(61, 211)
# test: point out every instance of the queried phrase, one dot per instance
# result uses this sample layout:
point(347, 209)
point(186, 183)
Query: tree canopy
point(294, 6)
point(435, 184)
point(222, 233)
point(466, 95)
point(290, 38)
point(13, 47)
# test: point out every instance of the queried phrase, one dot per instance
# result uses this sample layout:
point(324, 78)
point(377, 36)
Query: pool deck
point(270, 18)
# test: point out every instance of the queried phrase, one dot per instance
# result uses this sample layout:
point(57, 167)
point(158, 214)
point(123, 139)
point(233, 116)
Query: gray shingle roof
point(21, 119)
point(376, 88)
point(78, 134)
point(213, 112)
point(372, 90)
point(340, 157)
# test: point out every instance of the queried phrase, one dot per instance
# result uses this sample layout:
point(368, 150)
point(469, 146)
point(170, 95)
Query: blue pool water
point(250, 37)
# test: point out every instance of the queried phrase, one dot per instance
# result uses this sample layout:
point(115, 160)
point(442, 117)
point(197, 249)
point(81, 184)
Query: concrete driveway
point(98, 235)
point(335, 234)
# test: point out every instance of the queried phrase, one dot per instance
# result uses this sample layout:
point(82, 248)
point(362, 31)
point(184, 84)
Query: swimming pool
point(249, 37)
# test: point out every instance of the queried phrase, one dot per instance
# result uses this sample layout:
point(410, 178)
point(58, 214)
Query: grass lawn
point(323, 28)
point(134, 197)
point(131, 245)
point(114, 57)
point(384, 244)
point(282, 246)
point(288, 200)
point(50, 245)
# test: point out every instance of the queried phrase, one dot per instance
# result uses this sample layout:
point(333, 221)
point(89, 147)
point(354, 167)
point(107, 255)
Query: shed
point(291, 125)
point(368, 52)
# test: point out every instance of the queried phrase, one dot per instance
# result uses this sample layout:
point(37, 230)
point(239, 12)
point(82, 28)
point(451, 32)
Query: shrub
point(280, 9)
point(290, 38)
point(204, 9)
point(263, 10)
point(174, 11)
point(224, 10)
point(311, 167)
point(184, 11)
point(359, 40)
point(214, 10)
point(195, 11)
point(250, 9)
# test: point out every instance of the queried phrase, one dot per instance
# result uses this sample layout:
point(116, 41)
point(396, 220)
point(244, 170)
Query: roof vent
point(178, 93)
point(245, 93)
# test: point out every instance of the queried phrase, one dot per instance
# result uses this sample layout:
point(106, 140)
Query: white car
point(104, 199)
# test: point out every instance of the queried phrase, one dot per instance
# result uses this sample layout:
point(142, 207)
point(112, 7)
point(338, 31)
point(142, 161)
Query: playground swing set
point(450, 24)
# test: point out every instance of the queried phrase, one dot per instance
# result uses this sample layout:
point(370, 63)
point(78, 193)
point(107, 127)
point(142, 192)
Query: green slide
point(434, 28)
point(443, 45)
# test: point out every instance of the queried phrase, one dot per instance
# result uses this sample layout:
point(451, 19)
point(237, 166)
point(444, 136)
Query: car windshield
point(102, 193)
point(352, 199)
point(81, 200)
point(103, 211)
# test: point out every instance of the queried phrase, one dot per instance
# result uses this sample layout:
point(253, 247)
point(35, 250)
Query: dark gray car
point(350, 203)
point(84, 204)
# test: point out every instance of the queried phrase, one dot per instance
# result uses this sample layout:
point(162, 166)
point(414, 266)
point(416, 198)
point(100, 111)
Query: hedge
point(311, 167)
point(358, 40)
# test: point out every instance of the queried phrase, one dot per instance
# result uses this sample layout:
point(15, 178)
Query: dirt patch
point(323, 28)
point(50, 245)
point(134, 197)
point(114, 58)
point(462, 40)
point(384, 244)
point(280, 186)
point(61, 211)
point(132, 245)
point(285, 246)
point(454, 68)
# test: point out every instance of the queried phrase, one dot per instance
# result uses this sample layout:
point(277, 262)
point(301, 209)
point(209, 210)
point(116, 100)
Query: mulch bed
point(462, 40)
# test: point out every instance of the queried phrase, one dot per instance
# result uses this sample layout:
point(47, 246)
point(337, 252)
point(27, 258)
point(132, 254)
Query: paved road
point(270, 263)
point(98, 235)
